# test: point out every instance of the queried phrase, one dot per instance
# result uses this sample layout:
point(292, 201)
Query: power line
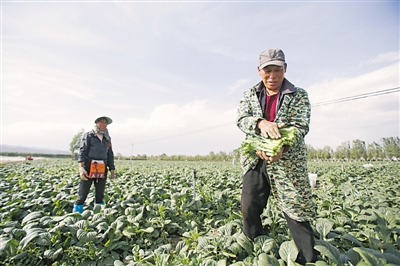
point(345, 99)
point(357, 97)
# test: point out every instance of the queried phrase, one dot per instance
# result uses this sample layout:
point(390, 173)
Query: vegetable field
point(154, 215)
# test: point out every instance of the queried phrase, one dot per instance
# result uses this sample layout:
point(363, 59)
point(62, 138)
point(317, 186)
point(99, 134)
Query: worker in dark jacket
point(95, 159)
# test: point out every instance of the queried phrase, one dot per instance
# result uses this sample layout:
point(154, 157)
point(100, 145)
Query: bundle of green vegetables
point(271, 147)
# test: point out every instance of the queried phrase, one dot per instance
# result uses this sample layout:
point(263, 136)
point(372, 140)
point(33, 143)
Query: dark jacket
point(93, 149)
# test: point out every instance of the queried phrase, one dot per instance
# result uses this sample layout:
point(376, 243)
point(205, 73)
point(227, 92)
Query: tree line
point(386, 149)
point(220, 156)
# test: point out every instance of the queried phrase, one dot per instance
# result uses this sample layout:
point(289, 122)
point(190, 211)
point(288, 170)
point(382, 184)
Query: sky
point(171, 73)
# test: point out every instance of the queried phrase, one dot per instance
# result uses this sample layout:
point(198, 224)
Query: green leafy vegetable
point(270, 146)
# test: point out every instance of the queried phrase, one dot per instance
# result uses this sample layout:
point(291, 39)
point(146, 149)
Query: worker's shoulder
point(300, 92)
point(89, 134)
point(252, 89)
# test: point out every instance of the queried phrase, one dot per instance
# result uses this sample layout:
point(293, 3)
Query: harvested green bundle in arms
point(271, 147)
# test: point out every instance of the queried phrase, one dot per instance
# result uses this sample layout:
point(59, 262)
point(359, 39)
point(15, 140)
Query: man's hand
point(83, 173)
point(111, 174)
point(264, 156)
point(269, 129)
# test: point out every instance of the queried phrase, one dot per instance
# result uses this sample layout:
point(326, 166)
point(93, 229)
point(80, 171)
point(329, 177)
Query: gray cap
point(274, 57)
point(109, 120)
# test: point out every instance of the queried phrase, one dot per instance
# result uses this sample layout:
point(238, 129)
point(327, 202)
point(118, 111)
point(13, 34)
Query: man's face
point(272, 76)
point(102, 124)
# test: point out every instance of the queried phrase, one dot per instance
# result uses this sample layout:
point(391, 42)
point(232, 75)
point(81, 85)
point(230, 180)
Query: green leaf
point(353, 256)
point(265, 243)
point(84, 236)
point(109, 261)
point(328, 250)
point(202, 243)
point(33, 216)
point(235, 248)
point(97, 218)
point(81, 224)
point(181, 247)
point(245, 243)
point(4, 242)
point(19, 256)
point(148, 230)
point(239, 263)
point(288, 251)
point(30, 235)
point(323, 227)
point(222, 263)
point(129, 231)
point(45, 220)
point(264, 259)
point(97, 208)
point(53, 254)
point(86, 214)
point(44, 239)
point(103, 226)
point(352, 239)
point(391, 258)
point(14, 231)
point(139, 216)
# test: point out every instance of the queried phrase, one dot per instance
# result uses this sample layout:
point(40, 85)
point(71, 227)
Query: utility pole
point(131, 151)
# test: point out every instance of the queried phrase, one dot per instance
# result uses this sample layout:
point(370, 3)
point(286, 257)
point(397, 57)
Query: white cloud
point(384, 78)
point(368, 119)
point(237, 85)
point(171, 119)
point(382, 58)
point(174, 129)
point(27, 84)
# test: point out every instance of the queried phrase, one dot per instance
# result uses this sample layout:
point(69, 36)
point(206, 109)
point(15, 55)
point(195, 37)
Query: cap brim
point(273, 63)
point(109, 120)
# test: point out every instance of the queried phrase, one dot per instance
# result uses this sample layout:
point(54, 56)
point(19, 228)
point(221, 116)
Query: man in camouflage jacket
point(264, 108)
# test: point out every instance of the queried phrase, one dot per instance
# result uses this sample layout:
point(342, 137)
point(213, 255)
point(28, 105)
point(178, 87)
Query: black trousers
point(84, 187)
point(255, 193)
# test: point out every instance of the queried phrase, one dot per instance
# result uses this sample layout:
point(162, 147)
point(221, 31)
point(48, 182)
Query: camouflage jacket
point(288, 176)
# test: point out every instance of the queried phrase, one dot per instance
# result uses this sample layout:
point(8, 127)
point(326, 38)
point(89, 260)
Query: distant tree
point(139, 157)
point(374, 151)
point(211, 156)
point(342, 151)
point(236, 154)
point(325, 153)
point(75, 143)
point(222, 156)
point(391, 146)
point(358, 150)
point(311, 152)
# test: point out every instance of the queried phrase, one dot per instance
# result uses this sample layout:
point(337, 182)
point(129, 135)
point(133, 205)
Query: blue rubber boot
point(78, 208)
